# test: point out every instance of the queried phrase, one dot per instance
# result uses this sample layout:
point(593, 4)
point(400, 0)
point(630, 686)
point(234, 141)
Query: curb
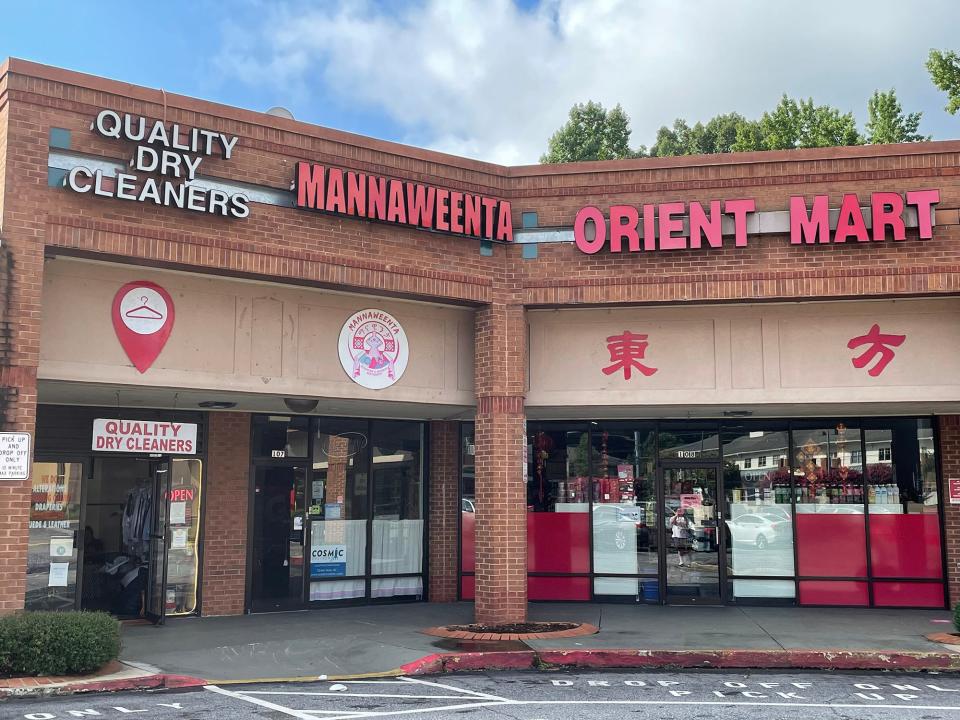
point(545, 660)
point(739, 659)
point(144, 682)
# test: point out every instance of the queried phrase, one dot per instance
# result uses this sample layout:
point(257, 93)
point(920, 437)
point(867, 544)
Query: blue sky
point(493, 79)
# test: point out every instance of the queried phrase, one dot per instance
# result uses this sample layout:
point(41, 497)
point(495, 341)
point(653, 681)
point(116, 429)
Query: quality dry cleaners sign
point(172, 152)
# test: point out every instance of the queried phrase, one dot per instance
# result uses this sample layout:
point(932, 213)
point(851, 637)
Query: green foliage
point(956, 617)
point(717, 136)
point(591, 133)
point(887, 123)
point(944, 69)
point(57, 643)
point(798, 124)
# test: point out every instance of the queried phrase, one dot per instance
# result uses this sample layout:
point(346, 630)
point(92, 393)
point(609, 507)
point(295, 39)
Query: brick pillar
point(444, 509)
point(501, 495)
point(21, 277)
point(227, 488)
point(950, 467)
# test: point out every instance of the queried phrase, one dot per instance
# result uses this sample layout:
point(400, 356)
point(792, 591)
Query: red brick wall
point(950, 467)
point(444, 509)
point(225, 514)
point(21, 277)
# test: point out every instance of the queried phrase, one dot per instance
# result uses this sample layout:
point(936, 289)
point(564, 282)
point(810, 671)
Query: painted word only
point(691, 226)
point(344, 192)
point(170, 152)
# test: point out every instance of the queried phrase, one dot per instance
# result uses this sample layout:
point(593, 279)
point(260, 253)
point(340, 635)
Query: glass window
point(558, 505)
point(182, 555)
point(54, 535)
point(759, 522)
point(624, 509)
point(338, 509)
point(680, 443)
point(281, 436)
point(468, 509)
point(829, 488)
point(397, 507)
point(904, 518)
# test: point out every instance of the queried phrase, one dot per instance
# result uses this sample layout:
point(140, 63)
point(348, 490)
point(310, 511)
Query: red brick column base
point(444, 510)
point(225, 514)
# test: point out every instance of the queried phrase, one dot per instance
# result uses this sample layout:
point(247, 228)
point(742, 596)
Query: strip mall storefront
point(264, 365)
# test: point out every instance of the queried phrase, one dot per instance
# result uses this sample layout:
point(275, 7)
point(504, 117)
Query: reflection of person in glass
point(680, 533)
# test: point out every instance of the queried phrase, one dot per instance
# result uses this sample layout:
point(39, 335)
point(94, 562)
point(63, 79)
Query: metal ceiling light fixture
point(301, 405)
point(217, 404)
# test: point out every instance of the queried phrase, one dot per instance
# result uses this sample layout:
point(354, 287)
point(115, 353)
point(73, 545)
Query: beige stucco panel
point(241, 336)
point(813, 350)
point(772, 354)
point(570, 351)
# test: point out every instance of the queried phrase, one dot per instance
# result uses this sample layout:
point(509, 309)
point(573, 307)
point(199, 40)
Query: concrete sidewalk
point(339, 642)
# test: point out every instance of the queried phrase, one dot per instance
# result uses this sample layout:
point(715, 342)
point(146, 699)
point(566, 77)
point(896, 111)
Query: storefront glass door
point(691, 523)
point(155, 603)
point(278, 537)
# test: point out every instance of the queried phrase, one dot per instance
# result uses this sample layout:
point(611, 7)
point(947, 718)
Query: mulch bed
point(512, 631)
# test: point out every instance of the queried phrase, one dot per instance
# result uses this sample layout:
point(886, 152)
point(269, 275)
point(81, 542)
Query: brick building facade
point(489, 315)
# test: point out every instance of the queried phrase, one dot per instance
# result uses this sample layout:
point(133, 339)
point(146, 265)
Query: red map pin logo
point(142, 318)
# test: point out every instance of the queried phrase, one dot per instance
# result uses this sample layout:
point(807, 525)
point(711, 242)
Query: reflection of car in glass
point(466, 505)
point(759, 530)
point(775, 513)
point(612, 525)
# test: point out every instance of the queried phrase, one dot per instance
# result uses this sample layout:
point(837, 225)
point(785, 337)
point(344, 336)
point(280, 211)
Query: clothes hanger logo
point(143, 316)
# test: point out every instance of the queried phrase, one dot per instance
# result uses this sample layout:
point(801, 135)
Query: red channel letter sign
point(663, 225)
point(358, 195)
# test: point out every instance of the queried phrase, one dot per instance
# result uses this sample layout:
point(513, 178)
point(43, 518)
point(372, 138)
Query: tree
point(887, 123)
point(591, 133)
point(944, 69)
point(717, 136)
point(798, 124)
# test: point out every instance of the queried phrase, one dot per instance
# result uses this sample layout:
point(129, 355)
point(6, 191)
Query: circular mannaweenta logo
point(373, 349)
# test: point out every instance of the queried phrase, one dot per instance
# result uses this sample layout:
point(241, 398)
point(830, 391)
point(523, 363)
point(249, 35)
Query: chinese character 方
point(879, 344)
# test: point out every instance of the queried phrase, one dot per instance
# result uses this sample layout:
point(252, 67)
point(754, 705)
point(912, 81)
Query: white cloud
point(493, 81)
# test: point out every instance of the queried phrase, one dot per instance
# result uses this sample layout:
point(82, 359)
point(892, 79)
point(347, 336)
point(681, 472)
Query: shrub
point(57, 643)
point(956, 617)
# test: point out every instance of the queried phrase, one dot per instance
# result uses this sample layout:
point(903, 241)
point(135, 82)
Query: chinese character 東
point(626, 352)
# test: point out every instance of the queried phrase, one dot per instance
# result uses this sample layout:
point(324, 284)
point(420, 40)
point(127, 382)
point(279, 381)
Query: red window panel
point(906, 546)
point(558, 588)
point(896, 594)
point(467, 546)
point(831, 545)
point(833, 592)
point(558, 542)
point(467, 584)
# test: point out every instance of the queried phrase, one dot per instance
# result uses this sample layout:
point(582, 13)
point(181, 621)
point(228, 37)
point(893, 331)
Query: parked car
point(612, 525)
point(466, 505)
point(759, 530)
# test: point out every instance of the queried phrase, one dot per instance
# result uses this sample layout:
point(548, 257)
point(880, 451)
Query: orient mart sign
point(683, 226)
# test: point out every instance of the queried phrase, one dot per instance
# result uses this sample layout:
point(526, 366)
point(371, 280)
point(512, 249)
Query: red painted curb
point(508, 660)
point(427, 665)
point(731, 659)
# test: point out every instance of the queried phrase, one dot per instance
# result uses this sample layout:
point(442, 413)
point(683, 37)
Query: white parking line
point(301, 714)
point(353, 694)
point(485, 696)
